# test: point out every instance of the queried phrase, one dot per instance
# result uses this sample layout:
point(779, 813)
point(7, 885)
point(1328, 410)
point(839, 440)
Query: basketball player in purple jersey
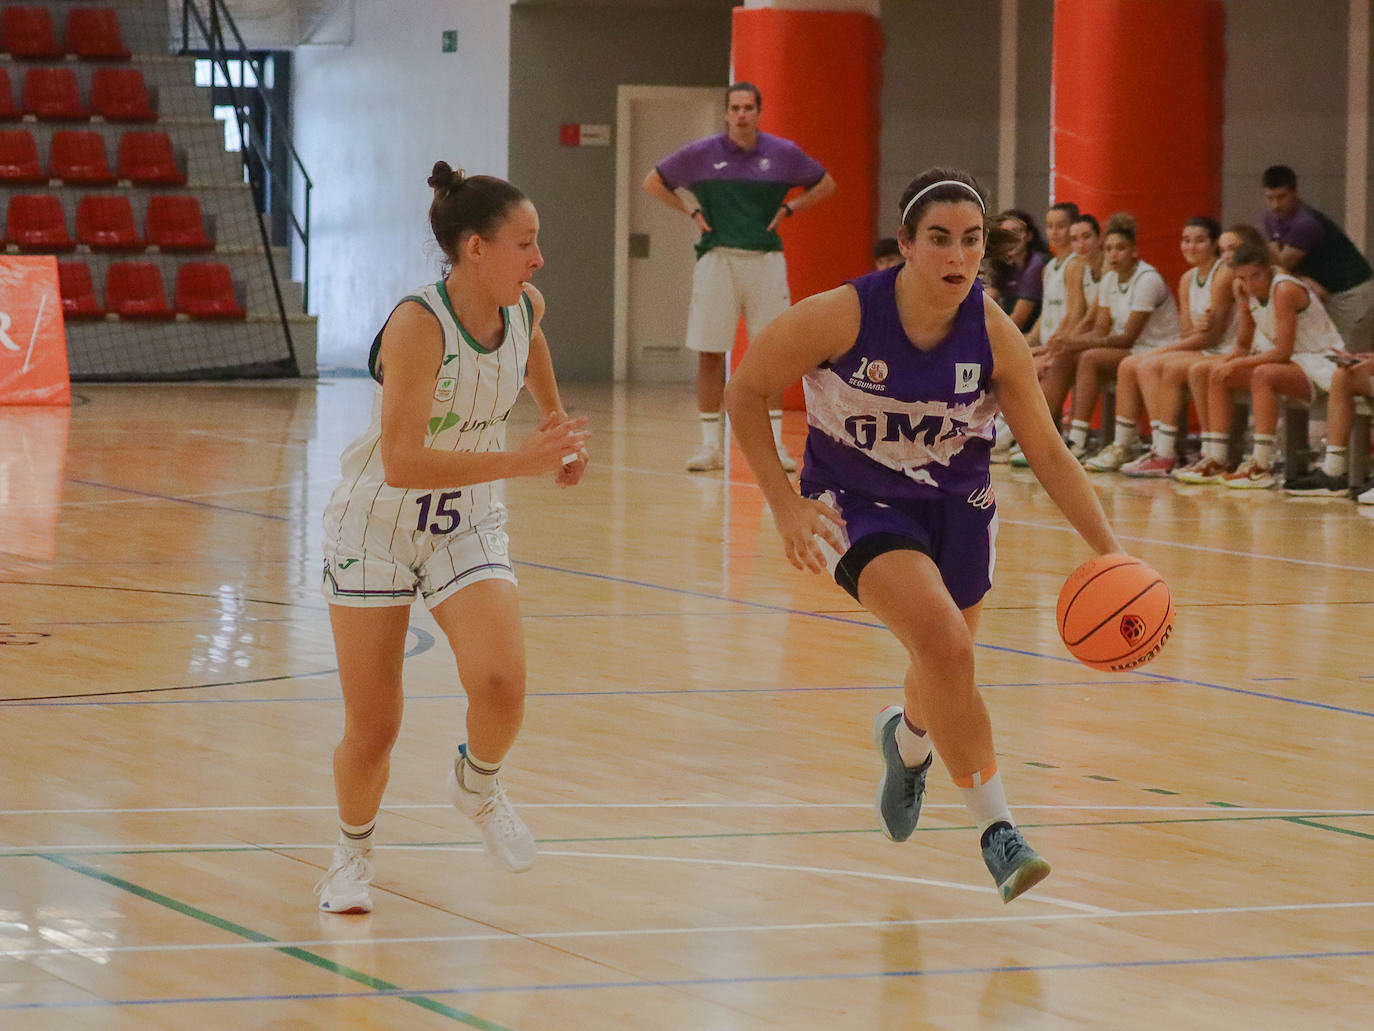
point(904, 370)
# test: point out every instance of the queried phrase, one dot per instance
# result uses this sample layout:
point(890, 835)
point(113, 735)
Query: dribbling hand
point(555, 437)
point(803, 525)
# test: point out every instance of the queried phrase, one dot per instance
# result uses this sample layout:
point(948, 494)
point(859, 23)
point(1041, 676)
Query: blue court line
point(180, 501)
point(700, 982)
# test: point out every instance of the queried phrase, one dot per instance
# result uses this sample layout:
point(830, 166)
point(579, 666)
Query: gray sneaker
point(1014, 865)
point(900, 788)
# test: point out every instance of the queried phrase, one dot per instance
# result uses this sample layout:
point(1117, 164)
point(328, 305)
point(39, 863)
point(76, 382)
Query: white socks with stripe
point(1337, 461)
point(710, 429)
point(775, 417)
point(357, 836)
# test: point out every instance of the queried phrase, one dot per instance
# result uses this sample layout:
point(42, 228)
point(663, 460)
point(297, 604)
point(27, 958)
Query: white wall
point(372, 118)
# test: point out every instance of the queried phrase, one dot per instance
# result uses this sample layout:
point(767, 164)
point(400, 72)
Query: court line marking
point(651, 932)
point(187, 500)
point(702, 982)
point(420, 999)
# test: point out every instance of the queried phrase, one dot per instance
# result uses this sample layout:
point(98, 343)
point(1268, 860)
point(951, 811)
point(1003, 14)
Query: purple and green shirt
point(740, 190)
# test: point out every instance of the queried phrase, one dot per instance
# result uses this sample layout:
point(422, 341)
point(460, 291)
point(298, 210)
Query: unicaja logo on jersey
point(966, 377)
point(443, 390)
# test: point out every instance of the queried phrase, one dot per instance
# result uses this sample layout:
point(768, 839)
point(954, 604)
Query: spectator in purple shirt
point(1018, 274)
point(1305, 242)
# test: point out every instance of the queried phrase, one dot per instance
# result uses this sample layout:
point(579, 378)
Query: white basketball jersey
point(1090, 285)
point(1054, 303)
point(1200, 299)
point(1120, 299)
point(474, 392)
point(1316, 333)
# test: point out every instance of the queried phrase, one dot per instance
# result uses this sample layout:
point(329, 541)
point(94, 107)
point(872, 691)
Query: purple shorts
point(959, 535)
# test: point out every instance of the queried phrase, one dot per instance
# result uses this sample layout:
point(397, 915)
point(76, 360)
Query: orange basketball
point(1115, 613)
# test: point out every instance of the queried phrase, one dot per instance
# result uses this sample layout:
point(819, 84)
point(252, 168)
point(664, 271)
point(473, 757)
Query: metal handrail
point(210, 24)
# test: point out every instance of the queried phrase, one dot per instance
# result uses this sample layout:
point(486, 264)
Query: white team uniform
point(1200, 299)
point(1090, 286)
point(1054, 300)
point(382, 544)
point(1316, 333)
point(1144, 291)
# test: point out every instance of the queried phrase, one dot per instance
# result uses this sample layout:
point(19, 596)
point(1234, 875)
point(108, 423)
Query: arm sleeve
point(1150, 292)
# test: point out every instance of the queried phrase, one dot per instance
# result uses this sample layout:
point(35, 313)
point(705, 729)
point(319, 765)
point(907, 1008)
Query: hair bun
point(443, 178)
point(1122, 222)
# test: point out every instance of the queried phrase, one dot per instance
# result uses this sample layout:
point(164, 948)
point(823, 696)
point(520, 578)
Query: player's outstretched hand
point(555, 438)
point(802, 525)
point(573, 468)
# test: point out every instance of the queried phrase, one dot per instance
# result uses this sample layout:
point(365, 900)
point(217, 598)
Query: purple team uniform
point(900, 438)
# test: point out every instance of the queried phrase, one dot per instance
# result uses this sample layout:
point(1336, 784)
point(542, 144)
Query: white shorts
point(728, 282)
point(434, 567)
point(1318, 369)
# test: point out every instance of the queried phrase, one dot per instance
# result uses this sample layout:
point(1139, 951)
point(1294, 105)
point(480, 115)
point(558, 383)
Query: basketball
point(1114, 613)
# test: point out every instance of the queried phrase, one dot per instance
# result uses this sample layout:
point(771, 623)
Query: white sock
point(1337, 461)
point(710, 429)
point(984, 798)
point(775, 417)
point(1214, 446)
point(1078, 434)
point(1165, 441)
point(474, 775)
point(913, 745)
point(1126, 432)
point(357, 836)
point(1264, 449)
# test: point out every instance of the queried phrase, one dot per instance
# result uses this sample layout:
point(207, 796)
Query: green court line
point(1225, 805)
point(1042, 766)
point(1098, 776)
point(357, 976)
point(1321, 826)
point(1160, 791)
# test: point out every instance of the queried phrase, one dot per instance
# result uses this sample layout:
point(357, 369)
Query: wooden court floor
point(696, 761)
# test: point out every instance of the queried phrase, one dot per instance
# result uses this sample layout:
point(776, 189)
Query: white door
point(653, 250)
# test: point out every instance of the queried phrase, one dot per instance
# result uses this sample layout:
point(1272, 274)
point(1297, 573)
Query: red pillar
point(820, 74)
point(1138, 112)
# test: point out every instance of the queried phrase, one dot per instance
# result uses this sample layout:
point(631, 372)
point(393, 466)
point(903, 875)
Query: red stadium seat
point(93, 34)
point(77, 156)
point(106, 223)
point(205, 290)
point(36, 222)
point(174, 223)
point(8, 111)
point(19, 159)
point(78, 291)
point(26, 33)
point(147, 159)
point(54, 95)
point(134, 290)
point(121, 95)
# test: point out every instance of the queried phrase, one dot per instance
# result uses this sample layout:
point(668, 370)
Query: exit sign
point(450, 44)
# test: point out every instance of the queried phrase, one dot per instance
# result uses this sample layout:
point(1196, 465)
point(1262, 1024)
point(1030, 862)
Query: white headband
point(943, 182)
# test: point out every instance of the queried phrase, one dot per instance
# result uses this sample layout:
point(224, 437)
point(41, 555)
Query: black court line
point(179, 501)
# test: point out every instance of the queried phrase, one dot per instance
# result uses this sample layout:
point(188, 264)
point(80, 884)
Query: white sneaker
point(344, 888)
point(789, 464)
point(1366, 498)
point(1108, 460)
point(707, 459)
point(508, 841)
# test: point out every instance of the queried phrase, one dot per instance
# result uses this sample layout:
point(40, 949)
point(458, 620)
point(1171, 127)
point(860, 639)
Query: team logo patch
point(983, 497)
point(496, 542)
point(763, 164)
point(876, 371)
point(966, 377)
point(443, 390)
point(1132, 628)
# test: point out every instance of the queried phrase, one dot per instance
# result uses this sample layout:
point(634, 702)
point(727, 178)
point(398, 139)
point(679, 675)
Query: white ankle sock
point(775, 417)
point(1214, 446)
point(357, 836)
point(475, 775)
point(1264, 449)
point(913, 745)
point(710, 429)
point(984, 798)
point(1337, 461)
point(1126, 432)
point(1165, 441)
point(1078, 434)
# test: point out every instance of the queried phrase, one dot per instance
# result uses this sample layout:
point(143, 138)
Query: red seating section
point(78, 291)
point(36, 222)
point(93, 34)
point(147, 159)
point(134, 290)
point(174, 223)
point(77, 157)
point(205, 290)
point(106, 223)
point(26, 33)
point(8, 111)
point(19, 164)
point(54, 95)
point(121, 95)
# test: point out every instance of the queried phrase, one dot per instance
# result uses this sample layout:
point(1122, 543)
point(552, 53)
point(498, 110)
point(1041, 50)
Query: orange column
point(1138, 111)
point(820, 74)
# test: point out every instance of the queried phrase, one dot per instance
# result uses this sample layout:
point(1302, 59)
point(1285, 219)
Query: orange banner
point(33, 337)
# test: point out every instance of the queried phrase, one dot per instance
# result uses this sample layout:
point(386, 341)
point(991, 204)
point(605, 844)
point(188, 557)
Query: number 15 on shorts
point(446, 517)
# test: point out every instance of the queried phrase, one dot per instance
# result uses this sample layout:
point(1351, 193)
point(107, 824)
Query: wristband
point(788, 208)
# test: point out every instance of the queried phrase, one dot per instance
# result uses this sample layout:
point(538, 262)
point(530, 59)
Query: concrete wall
point(371, 119)
point(566, 62)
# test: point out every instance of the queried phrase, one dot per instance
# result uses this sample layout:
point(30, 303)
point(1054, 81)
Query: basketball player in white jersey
point(419, 511)
point(1288, 313)
point(1155, 379)
point(1135, 313)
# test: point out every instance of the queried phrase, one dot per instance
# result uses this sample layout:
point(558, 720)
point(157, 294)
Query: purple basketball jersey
point(888, 420)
